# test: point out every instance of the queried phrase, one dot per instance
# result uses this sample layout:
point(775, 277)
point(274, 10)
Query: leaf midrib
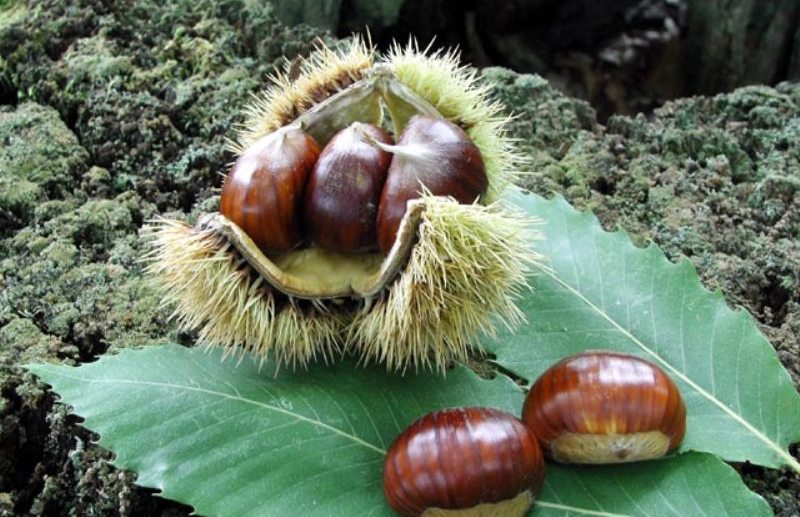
point(785, 455)
point(237, 398)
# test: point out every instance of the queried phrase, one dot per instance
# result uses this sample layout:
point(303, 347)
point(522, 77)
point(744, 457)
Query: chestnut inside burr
point(353, 193)
point(263, 192)
point(327, 223)
point(433, 154)
point(343, 191)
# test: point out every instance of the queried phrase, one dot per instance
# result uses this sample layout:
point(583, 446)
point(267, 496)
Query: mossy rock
point(40, 158)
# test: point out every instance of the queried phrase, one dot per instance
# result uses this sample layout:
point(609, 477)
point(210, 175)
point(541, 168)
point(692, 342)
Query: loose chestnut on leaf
point(287, 270)
point(605, 407)
point(464, 462)
point(435, 154)
point(263, 192)
point(343, 191)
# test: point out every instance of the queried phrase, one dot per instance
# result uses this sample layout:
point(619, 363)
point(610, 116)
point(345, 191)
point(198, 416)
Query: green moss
point(19, 197)
point(21, 341)
point(12, 12)
point(547, 119)
point(93, 61)
point(39, 158)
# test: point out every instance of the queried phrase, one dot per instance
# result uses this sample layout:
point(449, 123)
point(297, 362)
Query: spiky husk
point(467, 266)
point(457, 92)
point(214, 292)
point(461, 277)
point(323, 73)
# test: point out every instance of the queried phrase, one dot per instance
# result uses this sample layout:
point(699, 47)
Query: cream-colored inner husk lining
point(316, 273)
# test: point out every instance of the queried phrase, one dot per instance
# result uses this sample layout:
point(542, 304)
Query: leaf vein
point(784, 455)
point(244, 400)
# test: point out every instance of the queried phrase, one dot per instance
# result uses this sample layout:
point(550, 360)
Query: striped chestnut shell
point(605, 407)
point(344, 188)
point(263, 193)
point(464, 461)
point(435, 154)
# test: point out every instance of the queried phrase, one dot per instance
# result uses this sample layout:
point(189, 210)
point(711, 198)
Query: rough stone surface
point(111, 116)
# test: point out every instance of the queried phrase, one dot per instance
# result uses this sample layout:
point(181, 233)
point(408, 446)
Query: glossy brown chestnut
point(263, 193)
point(343, 191)
point(435, 153)
point(605, 407)
point(465, 458)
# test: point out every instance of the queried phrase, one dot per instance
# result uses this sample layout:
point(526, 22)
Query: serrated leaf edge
point(791, 462)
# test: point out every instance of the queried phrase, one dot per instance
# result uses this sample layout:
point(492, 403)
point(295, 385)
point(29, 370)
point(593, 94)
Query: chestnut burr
point(465, 458)
point(263, 192)
point(344, 188)
point(434, 154)
point(605, 407)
